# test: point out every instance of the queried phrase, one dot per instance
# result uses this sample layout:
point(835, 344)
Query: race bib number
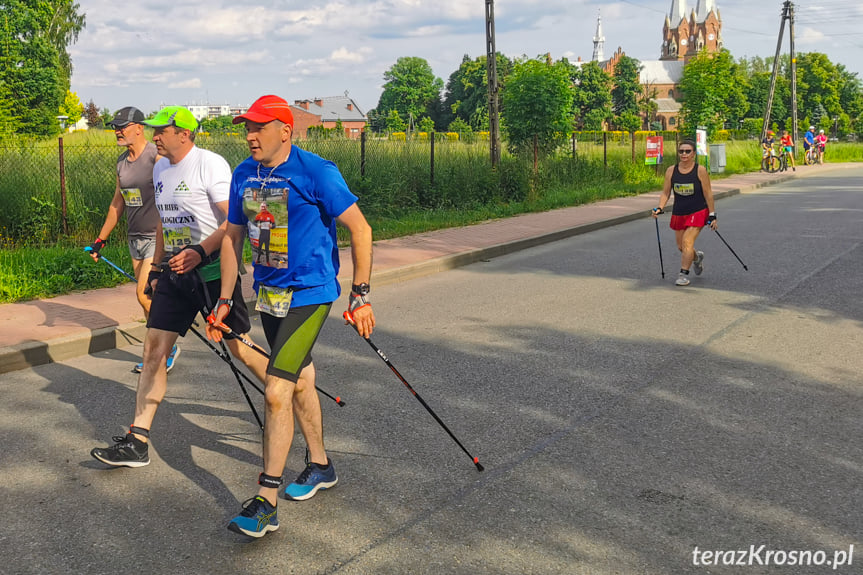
point(273, 300)
point(132, 197)
point(177, 237)
point(684, 189)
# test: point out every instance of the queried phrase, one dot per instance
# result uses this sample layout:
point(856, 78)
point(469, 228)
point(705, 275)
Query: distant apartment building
point(326, 112)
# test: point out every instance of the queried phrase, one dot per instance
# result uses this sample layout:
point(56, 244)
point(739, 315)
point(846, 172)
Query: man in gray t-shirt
point(134, 195)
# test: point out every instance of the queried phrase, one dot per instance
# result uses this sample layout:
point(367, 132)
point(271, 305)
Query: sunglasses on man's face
point(684, 151)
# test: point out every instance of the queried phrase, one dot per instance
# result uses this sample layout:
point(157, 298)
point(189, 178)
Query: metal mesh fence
point(388, 175)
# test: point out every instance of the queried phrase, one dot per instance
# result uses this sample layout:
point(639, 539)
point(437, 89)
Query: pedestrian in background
point(692, 210)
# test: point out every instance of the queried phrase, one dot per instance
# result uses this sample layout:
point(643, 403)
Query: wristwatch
point(361, 289)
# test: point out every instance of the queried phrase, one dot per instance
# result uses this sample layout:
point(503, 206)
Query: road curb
point(34, 353)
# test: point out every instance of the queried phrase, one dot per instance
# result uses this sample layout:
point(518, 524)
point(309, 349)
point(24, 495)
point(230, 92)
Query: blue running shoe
point(139, 367)
point(313, 478)
point(175, 353)
point(256, 519)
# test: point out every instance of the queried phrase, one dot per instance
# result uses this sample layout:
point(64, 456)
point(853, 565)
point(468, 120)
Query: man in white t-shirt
point(191, 190)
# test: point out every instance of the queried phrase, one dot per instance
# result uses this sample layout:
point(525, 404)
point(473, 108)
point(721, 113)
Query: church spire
point(677, 12)
point(703, 8)
point(598, 41)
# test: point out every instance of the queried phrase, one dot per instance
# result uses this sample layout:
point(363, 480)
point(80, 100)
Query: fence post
point(363, 154)
point(63, 187)
point(604, 149)
point(431, 134)
point(574, 145)
point(633, 147)
point(535, 155)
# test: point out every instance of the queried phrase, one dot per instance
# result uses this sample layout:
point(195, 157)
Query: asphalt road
point(623, 422)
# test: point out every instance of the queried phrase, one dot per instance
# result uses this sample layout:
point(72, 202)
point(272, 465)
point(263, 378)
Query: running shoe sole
point(311, 493)
point(233, 526)
point(119, 463)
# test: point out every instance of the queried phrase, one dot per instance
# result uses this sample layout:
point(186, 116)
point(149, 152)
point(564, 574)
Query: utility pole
point(786, 14)
point(491, 70)
point(794, 125)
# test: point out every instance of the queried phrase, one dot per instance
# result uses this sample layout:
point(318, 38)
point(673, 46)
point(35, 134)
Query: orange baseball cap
point(266, 109)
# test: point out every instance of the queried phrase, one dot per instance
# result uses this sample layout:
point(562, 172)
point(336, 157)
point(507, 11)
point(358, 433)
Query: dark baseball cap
point(126, 116)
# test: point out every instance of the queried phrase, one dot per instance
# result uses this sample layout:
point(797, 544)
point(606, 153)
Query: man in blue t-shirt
point(809, 138)
point(296, 285)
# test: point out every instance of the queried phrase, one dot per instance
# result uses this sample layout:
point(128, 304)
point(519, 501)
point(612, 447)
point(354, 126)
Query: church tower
point(598, 41)
point(683, 36)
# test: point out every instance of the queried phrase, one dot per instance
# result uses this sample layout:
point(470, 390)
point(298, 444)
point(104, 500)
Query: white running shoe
point(682, 280)
point(698, 263)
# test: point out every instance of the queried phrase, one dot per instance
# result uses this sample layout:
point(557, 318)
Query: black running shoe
point(127, 451)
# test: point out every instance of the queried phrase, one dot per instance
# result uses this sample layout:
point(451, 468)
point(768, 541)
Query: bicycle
point(769, 161)
point(783, 161)
point(811, 156)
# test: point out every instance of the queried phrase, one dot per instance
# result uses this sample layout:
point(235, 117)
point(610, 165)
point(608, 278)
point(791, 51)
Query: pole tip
point(478, 464)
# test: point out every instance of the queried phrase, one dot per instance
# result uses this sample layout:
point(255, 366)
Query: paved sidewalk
point(44, 331)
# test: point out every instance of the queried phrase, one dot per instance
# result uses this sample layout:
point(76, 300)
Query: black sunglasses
point(685, 151)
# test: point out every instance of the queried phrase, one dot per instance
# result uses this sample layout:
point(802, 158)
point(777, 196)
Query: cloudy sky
point(182, 52)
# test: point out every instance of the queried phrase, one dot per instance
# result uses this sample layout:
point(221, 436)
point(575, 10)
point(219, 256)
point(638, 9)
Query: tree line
point(544, 99)
point(35, 67)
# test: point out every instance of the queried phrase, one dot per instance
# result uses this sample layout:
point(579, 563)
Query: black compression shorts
point(292, 338)
point(178, 298)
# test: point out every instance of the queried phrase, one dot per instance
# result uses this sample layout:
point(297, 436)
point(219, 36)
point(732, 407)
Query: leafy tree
point(466, 94)
point(411, 89)
point(818, 85)
point(757, 89)
point(624, 95)
point(35, 67)
point(850, 94)
point(647, 105)
point(460, 126)
point(591, 95)
point(219, 125)
point(71, 107)
point(628, 122)
point(711, 93)
point(93, 115)
point(377, 122)
point(538, 104)
point(426, 124)
point(395, 122)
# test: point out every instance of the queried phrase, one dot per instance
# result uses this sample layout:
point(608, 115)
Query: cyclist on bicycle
point(787, 145)
point(821, 143)
point(767, 145)
point(809, 142)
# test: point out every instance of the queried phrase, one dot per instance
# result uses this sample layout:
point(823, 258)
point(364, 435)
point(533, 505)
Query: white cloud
point(190, 83)
point(235, 51)
point(808, 37)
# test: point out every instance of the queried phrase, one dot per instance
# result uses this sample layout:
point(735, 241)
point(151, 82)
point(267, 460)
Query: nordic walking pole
point(659, 244)
point(350, 320)
point(224, 354)
point(732, 251)
point(231, 333)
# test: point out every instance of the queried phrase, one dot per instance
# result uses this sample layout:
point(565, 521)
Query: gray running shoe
point(698, 264)
point(682, 280)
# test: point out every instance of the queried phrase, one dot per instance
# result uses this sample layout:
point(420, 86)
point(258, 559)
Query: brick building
point(683, 36)
point(333, 110)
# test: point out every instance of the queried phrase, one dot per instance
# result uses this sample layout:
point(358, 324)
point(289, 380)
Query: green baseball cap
point(173, 116)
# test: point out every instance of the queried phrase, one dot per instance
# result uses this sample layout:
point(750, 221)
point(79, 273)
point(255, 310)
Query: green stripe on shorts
point(297, 347)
